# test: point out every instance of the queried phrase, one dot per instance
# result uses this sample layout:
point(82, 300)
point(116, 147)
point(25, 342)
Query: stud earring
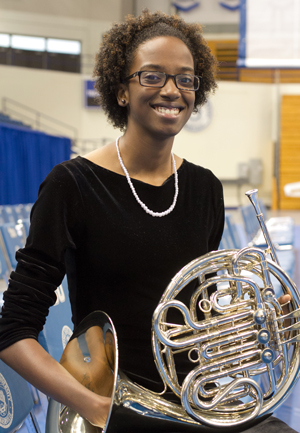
point(123, 101)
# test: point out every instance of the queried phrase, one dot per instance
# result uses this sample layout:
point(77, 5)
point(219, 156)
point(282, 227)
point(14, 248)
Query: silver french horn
point(243, 352)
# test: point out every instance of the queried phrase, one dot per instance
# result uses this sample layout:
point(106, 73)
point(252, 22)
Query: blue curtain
point(26, 157)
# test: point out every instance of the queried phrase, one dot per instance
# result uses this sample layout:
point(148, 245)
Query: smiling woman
point(158, 111)
point(124, 219)
point(116, 55)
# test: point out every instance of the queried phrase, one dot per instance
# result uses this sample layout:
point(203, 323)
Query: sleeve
point(55, 227)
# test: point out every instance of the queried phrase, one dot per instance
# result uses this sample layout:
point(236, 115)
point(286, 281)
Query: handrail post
point(38, 120)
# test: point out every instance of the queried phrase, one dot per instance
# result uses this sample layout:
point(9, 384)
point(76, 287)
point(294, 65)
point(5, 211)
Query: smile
point(164, 110)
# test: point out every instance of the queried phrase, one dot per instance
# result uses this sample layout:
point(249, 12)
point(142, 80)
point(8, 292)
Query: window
point(40, 52)
point(29, 43)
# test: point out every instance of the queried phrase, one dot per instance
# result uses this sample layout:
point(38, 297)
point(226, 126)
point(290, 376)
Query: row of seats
point(280, 229)
point(12, 213)
point(14, 228)
point(17, 399)
point(242, 230)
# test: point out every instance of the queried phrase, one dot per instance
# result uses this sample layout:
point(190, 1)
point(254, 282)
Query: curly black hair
point(116, 54)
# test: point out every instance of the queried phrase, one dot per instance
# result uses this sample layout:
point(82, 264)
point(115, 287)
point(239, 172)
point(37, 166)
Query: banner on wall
point(90, 95)
point(231, 5)
point(269, 34)
point(185, 5)
point(200, 120)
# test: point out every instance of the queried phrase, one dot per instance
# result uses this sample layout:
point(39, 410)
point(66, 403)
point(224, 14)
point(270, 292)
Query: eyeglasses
point(158, 79)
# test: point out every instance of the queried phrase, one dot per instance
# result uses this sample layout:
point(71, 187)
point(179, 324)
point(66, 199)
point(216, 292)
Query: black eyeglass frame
point(167, 76)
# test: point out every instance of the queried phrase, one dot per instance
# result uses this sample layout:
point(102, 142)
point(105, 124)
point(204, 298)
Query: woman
point(125, 218)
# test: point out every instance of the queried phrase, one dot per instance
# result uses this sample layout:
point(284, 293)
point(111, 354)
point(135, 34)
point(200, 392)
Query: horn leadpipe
point(252, 195)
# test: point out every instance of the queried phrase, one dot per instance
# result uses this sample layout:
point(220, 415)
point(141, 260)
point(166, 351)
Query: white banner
point(270, 34)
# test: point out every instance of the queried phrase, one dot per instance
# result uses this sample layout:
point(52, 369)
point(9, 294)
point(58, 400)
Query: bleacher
point(14, 229)
point(242, 230)
point(280, 229)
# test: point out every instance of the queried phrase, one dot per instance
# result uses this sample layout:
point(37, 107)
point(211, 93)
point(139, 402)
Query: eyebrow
point(154, 67)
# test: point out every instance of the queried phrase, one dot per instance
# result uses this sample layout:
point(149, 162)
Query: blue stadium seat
point(281, 229)
point(13, 237)
point(227, 242)
point(17, 211)
point(16, 402)
point(13, 213)
point(26, 223)
point(2, 216)
point(236, 241)
point(8, 214)
point(285, 252)
point(4, 272)
point(58, 327)
point(26, 209)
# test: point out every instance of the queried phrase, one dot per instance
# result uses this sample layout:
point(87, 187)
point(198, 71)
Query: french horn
point(242, 350)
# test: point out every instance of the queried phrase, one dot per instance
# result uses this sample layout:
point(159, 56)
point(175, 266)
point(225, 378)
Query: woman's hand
point(98, 413)
point(284, 300)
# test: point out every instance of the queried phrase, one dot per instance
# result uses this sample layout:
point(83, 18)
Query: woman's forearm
point(33, 363)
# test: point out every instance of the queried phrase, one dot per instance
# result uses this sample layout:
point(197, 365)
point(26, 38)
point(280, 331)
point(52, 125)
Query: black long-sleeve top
point(118, 259)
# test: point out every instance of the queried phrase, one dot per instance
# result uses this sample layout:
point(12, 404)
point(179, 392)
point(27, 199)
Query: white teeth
point(167, 110)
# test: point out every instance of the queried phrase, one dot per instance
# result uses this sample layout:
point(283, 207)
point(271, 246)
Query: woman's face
point(160, 112)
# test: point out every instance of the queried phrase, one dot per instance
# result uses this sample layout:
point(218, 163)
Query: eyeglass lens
point(158, 79)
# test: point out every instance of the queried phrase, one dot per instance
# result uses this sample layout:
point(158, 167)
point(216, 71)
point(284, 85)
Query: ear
point(122, 95)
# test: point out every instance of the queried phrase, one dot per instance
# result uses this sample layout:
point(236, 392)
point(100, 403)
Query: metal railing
point(85, 145)
point(38, 120)
point(42, 122)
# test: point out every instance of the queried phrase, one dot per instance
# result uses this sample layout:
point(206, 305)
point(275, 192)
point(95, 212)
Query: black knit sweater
point(118, 259)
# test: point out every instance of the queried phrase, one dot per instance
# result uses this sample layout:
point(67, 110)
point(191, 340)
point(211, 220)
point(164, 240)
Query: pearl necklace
point(146, 209)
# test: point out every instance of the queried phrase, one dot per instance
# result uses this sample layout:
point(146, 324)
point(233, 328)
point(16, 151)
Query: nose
point(170, 90)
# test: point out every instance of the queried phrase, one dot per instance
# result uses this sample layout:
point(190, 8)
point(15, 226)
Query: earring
point(123, 101)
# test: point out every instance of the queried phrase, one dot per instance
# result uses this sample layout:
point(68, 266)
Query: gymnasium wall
point(244, 116)
point(88, 31)
point(243, 121)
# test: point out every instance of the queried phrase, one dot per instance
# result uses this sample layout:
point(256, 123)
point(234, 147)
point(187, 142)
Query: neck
point(141, 203)
point(147, 159)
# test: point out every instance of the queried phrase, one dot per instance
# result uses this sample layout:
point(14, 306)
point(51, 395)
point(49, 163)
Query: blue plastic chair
point(227, 241)
point(12, 213)
point(233, 232)
point(2, 216)
point(17, 210)
point(26, 224)
point(26, 209)
point(8, 214)
point(58, 327)
point(4, 272)
point(16, 402)
point(281, 229)
point(13, 237)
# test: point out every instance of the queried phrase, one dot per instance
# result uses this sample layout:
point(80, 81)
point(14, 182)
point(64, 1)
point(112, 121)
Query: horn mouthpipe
point(252, 195)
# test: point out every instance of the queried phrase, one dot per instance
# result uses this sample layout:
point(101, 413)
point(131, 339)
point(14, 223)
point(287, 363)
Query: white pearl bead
point(146, 209)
